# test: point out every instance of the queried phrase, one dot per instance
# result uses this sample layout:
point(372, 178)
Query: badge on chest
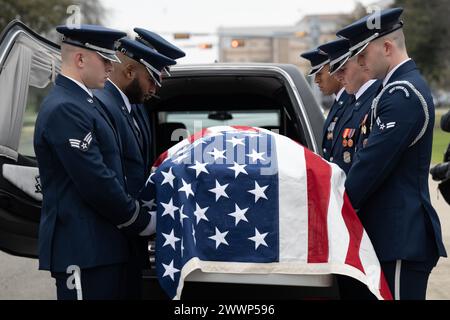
point(347, 137)
point(331, 128)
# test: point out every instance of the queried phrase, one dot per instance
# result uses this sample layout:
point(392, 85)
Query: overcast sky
point(205, 16)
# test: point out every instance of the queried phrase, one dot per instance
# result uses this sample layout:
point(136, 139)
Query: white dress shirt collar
point(339, 94)
point(363, 88)
point(389, 75)
point(124, 97)
point(81, 85)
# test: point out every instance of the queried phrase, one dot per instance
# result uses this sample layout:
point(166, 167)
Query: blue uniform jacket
point(143, 119)
point(388, 181)
point(136, 163)
point(86, 210)
point(329, 126)
point(353, 126)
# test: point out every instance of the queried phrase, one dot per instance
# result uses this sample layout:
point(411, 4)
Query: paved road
point(439, 284)
point(20, 279)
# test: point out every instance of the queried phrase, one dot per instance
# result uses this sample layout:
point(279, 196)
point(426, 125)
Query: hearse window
point(195, 121)
point(175, 126)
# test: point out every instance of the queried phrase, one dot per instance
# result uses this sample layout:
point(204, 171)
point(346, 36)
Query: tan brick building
point(278, 44)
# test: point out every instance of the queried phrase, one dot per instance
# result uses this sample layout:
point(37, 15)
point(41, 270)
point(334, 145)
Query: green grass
point(441, 139)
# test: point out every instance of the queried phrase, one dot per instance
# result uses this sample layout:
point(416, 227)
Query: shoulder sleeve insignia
point(404, 86)
point(82, 145)
point(383, 126)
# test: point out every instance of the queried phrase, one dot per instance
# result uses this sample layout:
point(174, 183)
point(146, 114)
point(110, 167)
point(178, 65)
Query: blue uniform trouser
point(134, 279)
point(407, 280)
point(100, 283)
point(138, 260)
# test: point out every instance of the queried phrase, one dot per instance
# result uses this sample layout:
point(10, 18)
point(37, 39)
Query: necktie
point(136, 125)
point(351, 99)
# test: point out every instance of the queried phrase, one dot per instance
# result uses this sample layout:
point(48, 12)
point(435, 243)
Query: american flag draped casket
point(247, 200)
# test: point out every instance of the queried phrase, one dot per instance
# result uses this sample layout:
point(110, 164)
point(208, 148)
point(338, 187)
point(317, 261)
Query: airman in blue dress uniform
point(133, 82)
point(87, 211)
point(328, 85)
point(335, 50)
point(352, 129)
point(388, 182)
point(164, 47)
